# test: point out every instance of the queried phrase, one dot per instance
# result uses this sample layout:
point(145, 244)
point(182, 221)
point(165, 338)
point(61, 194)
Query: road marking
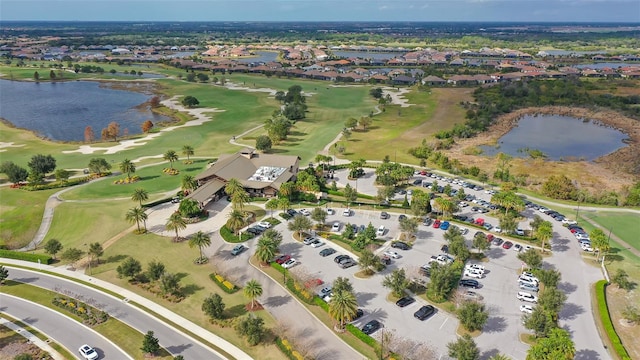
point(445, 321)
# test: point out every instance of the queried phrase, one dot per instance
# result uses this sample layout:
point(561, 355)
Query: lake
point(261, 57)
point(367, 54)
point(61, 110)
point(558, 137)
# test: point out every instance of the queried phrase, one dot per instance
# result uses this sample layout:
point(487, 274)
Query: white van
point(380, 231)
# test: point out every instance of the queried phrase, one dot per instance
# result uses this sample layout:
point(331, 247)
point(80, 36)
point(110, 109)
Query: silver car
point(529, 287)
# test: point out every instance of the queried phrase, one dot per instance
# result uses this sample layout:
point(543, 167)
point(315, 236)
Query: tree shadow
point(495, 253)
point(570, 311)
point(560, 245)
point(567, 287)
point(275, 301)
point(191, 289)
point(115, 258)
point(365, 298)
point(235, 311)
point(586, 354)
point(495, 324)
point(143, 178)
point(486, 355)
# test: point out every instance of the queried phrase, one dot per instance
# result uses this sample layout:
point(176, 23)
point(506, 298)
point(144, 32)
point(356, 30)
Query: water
point(61, 110)
point(559, 137)
point(612, 65)
point(367, 55)
point(262, 57)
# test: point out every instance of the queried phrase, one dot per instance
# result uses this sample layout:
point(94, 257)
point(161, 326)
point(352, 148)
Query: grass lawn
point(178, 258)
point(623, 225)
point(20, 215)
point(121, 334)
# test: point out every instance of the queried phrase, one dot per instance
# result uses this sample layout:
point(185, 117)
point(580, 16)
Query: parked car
point(326, 252)
point(324, 291)
point(402, 217)
point(470, 283)
point(347, 264)
point(371, 327)
point(444, 225)
point(424, 312)
point(87, 352)
point(425, 270)
point(475, 267)
point(507, 245)
point(317, 243)
point(292, 212)
point(289, 263)
point(400, 245)
point(519, 232)
point(380, 231)
point(528, 297)
point(384, 215)
point(497, 241)
point(517, 247)
point(529, 287)
point(427, 222)
point(527, 309)
point(305, 212)
point(471, 295)
point(445, 248)
point(308, 240)
point(338, 259)
point(335, 227)
point(473, 273)
point(391, 254)
point(436, 224)
point(330, 211)
point(346, 212)
point(282, 259)
point(238, 249)
point(405, 301)
point(265, 224)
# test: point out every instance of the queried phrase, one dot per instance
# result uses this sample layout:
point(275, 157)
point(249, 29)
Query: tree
point(263, 143)
point(202, 77)
point(343, 306)
point(252, 327)
point(621, 279)
point(187, 150)
point(146, 126)
point(190, 101)
point(95, 250)
point(558, 345)
point(62, 175)
point(319, 215)
point(351, 123)
point(137, 215)
point(52, 75)
point(539, 321)
point(252, 290)
point(150, 344)
point(176, 223)
point(350, 194)
point(35, 178)
point(532, 258)
point(631, 314)
point(130, 268)
point(36, 76)
point(266, 249)
point(396, 281)
point(189, 208)
point(126, 166)
point(170, 156)
point(112, 131)
point(235, 221)
point(342, 284)
point(480, 242)
point(236, 191)
point(560, 187)
point(443, 280)
point(472, 315)
point(365, 122)
point(89, 135)
point(535, 223)
point(15, 173)
point(99, 166)
point(201, 240)
point(155, 270)
point(459, 249)
point(299, 224)
point(272, 204)
point(278, 128)
point(599, 241)
point(213, 306)
point(42, 164)
point(72, 255)
point(140, 195)
point(444, 205)
point(169, 283)
point(464, 348)
point(409, 226)
point(287, 189)
point(544, 233)
point(552, 300)
point(52, 247)
point(4, 274)
point(367, 261)
point(189, 183)
point(420, 203)
point(549, 277)
point(508, 223)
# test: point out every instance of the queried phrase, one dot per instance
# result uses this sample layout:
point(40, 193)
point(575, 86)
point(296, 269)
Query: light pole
point(89, 255)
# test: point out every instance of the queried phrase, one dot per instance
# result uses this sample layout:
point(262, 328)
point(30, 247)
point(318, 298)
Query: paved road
point(172, 340)
point(65, 331)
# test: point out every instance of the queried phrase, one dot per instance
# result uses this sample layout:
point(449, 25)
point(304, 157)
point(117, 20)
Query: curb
point(43, 345)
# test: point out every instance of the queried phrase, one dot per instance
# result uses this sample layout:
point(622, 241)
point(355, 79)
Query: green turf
point(20, 214)
point(624, 225)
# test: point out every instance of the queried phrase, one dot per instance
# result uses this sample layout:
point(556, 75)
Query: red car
point(436, 224)
point(282, 259)
point(507, 245)
point(489, 237)
point(479, 221)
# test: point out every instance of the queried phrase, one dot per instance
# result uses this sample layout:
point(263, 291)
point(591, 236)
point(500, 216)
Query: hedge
point(601, 298)
point(224, 284)
point(362, 336)
point(18, 255)
point(288, 350)
point(228, 236)
point(58, 184)
point(318, 301)
point(156, 203)
point(294, 287)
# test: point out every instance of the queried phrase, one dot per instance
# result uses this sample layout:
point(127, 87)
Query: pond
point(559, 138)
point(61, 110)
point(261, 57)
point(367, 54)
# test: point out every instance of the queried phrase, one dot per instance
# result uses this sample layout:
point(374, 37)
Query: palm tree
point(253, 290)
point(446, 206)
point(176, 223)
point(239, 198)
point(187, 150)
point(140, 195)
point(343, 307)
point(233, 186)
point(272, 205)
point(136, 215)
point(266, 249)
point(170, 156)
point(283, 203)
point(236, 221)
point(126, 166)
point(201, 240)
point(189, 182)
point(287, 189)
point(95, 250)
point(544, 233)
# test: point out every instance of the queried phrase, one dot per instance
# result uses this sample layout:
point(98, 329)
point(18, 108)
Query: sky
point(323, 10)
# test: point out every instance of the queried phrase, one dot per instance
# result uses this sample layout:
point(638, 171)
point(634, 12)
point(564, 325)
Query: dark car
point(348, 263)
point(253, 230)
point(384, 215)
point(507, 245)
point(497, 241)
point(359, 314)
point(400, 245)
point(338, 259)
point(405, 301)
point(327, 252)
point(417, 182)
point(282, 259)
point(425, 270)
point(402, 217)
point(371, 327)
point(292, 212)
point(238, 249)
point(445, 249)
point(427, 222)
point(424, 312)
point(469, 283)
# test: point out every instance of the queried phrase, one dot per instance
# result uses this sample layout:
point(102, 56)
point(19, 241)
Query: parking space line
point(445, 321)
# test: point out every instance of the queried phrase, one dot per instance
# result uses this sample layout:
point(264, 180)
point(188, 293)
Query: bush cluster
point(90, 315)
point(601, 298)
point(224, 284)
point(293, 286)
point(170, 171)
point(228, 235)
point(127, 180)
point(57, 184)
point(362, 336)
point(288, 350)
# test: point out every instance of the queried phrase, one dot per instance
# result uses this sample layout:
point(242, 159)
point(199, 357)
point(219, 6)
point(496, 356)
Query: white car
point(525, 296)
point(265, 224)
point(335, 227)
point(380, 231)
point(289, 263)
point(528, 279)
point(463, 204)
point(588, 248)
point(473, 273)
point(391, 254)
point(308, 240)
point(317, 243)
point(519, 232)
point(330, 211)
point(346, 212)
point(305, 212)
point(87, 352)
point(497, 229)
point(569, 221)
point(527, 309)
point(475, 267)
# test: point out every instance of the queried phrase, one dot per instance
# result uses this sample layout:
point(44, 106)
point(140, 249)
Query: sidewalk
point(32, 339)
point(148, 304)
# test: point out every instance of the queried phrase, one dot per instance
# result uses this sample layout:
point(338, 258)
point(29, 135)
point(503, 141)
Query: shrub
point(18, 255)
point(294, 287)
point(224, 284)
point(89, 314)
point(601, 298)
point(288, 350)
point(321, 303)
point(229, 236)
point(57, 184)
point(362, 336)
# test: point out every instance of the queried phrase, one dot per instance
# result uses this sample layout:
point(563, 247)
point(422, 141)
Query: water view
point(261, 57)
point(558, 137)
point(61, 110)
point(367, 54)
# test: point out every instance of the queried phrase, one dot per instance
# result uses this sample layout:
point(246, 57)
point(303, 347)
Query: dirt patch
point(21, 346)
point(617, 300)
point(256, 307)
point(611, 172)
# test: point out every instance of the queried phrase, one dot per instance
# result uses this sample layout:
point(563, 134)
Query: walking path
point(43, 345)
